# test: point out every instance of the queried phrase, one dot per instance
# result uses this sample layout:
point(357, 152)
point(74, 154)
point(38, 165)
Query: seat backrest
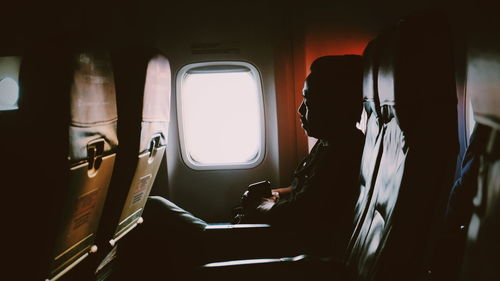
point(481, 256)
point(371, 150)
point(67, 110)
point(143, 98)
point(419, 146)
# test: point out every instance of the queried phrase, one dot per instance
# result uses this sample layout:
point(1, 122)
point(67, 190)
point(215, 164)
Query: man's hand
point(262, 204)
point(267, 203)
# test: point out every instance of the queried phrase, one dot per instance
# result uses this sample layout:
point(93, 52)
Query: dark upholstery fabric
point(481, 260)
point(448, 256)
point(393, 238)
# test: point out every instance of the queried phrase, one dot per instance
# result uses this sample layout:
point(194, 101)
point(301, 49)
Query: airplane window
point(9, 93)
point(221, 115)
point(9, 89)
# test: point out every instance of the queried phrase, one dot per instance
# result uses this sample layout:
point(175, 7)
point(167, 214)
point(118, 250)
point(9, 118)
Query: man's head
point(332, 96)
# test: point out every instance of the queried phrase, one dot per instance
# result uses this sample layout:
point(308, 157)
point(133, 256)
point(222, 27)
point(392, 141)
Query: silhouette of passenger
point(319, 203)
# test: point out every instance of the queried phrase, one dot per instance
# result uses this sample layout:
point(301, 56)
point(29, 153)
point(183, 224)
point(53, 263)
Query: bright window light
point(221, 116)
point(9, 94)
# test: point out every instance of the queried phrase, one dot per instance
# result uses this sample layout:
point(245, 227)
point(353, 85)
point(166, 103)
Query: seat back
point(143, 97)
point(67, 109)
point(415, 87)
point(481, 256)
point(371, 150)
point(154, 92)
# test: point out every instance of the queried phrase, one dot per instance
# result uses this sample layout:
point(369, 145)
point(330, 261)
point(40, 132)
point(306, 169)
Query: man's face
point(309, 112)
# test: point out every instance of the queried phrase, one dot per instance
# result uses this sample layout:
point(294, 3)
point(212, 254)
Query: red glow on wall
point(324, 39)
point(327, 39)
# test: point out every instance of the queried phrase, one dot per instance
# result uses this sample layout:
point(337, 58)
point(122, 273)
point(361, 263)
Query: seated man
point(325, 184)
point(324, 188)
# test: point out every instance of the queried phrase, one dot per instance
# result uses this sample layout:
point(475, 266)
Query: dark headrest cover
point(92, 90)
point(157, 89)
point(386, 72)
point(416, 64)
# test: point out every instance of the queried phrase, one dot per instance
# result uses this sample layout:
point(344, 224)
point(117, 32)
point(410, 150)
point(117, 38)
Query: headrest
point(483, 83)
point(157, 89)
point(92, 89)
point(62, 83)
point(143, 82)
point(386, 72)
point(9, 87)
point(67, 95)
point(416, 64)
point(370, 77)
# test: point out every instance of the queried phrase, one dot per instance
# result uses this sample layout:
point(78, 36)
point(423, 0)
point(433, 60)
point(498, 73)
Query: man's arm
point(267, 203)
point(283, 191)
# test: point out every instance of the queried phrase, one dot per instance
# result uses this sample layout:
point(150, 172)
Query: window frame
point(219, 66)
point(9, 69)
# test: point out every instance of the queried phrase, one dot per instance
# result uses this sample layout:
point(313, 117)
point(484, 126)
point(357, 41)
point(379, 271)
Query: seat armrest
point(222, 227)
point(253, 262)
point(224, 242)
point(300, 267)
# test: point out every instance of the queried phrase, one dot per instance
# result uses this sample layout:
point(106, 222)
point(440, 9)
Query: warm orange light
point(328, 39)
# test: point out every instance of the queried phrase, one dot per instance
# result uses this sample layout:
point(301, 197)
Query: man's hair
point(339, 81)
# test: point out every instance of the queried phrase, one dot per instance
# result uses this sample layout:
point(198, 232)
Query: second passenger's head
point(332, 96)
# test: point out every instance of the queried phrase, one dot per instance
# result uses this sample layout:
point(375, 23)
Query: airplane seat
point(67, 112)
point(416, 88)
point(446, 256)
point(143, 98)
point(481, 261)
point(373, 132)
